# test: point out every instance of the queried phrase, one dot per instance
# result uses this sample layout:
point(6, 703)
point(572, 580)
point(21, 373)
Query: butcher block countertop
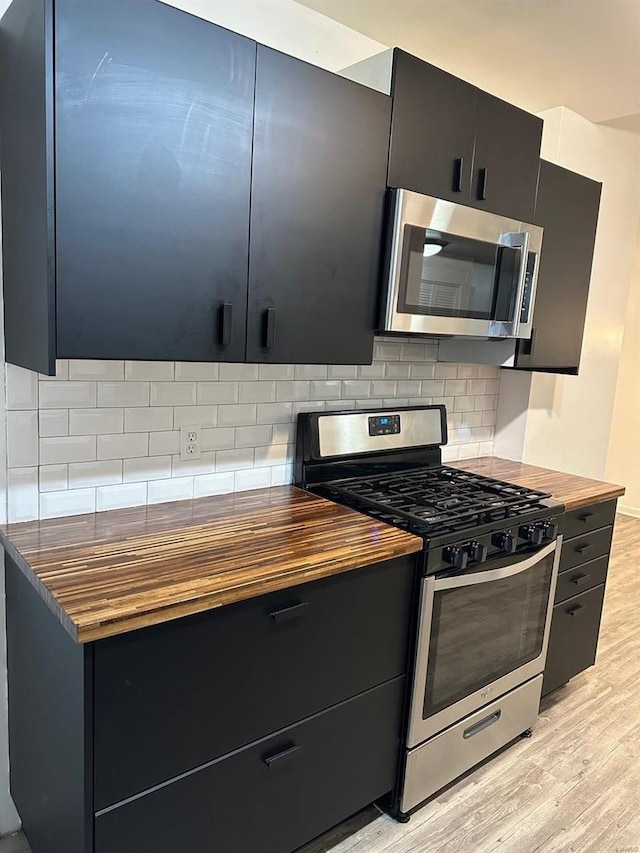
point(574, 492)
point(107, 573)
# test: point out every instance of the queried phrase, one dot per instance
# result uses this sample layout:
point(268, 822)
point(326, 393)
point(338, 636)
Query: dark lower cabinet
point(274, 795)
point(567, 208)
point(319, 165)
point(577, 612)
point(252, 727)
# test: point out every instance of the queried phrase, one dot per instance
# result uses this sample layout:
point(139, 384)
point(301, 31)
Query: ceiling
point(583, 54)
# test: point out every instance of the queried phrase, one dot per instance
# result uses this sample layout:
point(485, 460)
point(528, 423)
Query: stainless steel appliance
point(454, 270)
point(488, 576)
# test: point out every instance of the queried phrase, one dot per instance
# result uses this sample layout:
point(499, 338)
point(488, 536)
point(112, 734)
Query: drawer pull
point(277, 760)
point(580, 579)
point(586, 516)
point(289, 612)
point(584, 548)
point(476, 728)
point(575, 611)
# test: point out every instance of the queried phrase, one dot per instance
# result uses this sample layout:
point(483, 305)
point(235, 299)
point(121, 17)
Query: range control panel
point(384, 425)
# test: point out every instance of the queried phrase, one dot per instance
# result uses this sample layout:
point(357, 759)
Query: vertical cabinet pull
point(482, 184)
point(270, 328)
point(529, 345)
point(458, 169)
point(226, 324)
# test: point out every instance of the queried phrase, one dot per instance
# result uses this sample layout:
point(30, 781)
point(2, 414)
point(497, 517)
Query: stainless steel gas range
point(486, 589)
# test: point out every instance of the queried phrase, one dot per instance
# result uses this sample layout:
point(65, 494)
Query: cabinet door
point(319, 165)
point(506, 159)
point(573, 640)
point(434, 116)
point(154, 117)
point(567, 208)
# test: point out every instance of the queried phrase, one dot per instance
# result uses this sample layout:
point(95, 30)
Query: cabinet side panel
point(26, 159)
point(50, 734)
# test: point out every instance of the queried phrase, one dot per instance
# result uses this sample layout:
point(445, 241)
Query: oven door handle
point(496, 574)
point(518, 240)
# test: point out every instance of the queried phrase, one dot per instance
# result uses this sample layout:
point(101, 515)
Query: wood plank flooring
point(574, 787)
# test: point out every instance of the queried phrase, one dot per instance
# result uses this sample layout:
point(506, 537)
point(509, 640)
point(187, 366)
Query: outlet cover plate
point(190, 443)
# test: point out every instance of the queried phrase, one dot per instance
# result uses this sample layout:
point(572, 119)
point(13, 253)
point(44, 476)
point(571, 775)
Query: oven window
point(446, 275)
point(480, 633)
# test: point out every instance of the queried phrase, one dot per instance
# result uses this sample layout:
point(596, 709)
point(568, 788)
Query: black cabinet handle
point(483, 724)
point(528, 345)
point(289, 612)
point(276, 760)
point(586, 516)
point(580, 579)
point(270, 328)
point(482, 184)
point(584, 548)
point(226, 324)
point(575, 611)
point(458, 168)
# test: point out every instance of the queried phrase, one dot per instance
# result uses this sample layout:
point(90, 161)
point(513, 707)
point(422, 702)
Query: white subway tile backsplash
point(70, 502)
point(310, 371)
point(240, 415)
point(124, 446)
point(196, 371)
point(23, 497)
point(217, 392)
point(352, 389)
point(118, 497)
point(275, 371)
point(149, 371)
point(486, 403)
point(399, 370)
point(146, 468)
point(95, 370)
point(253, 436)
point(308, 406)
point(412, 352)
point(53, 478)
point(257, 392)
point(73, 448)
point(95, 421)
point(253, 478)
point(22, 388)
point(86, 474)
point(281, 475)
point(275, 413)
point(174, 489)
point(488, 371)
point(489, 418)
point(120, 394)
point(476, 386)
point(325, 389)
point(444, 370)
point(423, 371)
point(409, 388)
point(339, 405)
point(238, 372)
point(293, 391)
point(485, 448)
point(464, 404)
point(161, 443)
point(173, 393)
point(470, 450)
point(282, 434)
point(456, 387)
point(22, 439)
point(467, 371)
point(384, 388)
point(275, 454)
point(342, 371)
point(183, 468)
point(204, 416)
point(148, 419)
point(222, 438)
point(385, 351)
point(433, 388)
point(377, 370)
point(66, 395)
point(53, 422)
point(213, 484)
point(234, 460)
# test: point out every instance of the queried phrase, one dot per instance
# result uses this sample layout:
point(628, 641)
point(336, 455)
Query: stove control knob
point(549, 531)
point(478, 552)
point(506, 541)
point(532, 533)
point(456, 557)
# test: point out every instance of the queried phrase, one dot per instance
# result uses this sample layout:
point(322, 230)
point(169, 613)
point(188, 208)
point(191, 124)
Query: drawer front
point(573, 640)
point(583, 549)
point(172, 697)
point(580, 521)
point(582, 577)
point(272, 796)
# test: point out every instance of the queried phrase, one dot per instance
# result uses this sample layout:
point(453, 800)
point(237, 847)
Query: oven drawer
point(581, 578)
point(573, 641)
point(446, 756)
point(585, 548)
point(587, 518)
point(274, 795)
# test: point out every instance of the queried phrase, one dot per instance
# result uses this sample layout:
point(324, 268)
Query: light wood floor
point(574, 787)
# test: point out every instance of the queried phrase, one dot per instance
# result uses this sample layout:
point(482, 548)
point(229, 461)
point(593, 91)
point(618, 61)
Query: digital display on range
point(384, 425)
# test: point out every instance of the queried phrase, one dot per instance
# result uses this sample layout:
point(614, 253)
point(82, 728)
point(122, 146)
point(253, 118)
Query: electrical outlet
point(190, 447)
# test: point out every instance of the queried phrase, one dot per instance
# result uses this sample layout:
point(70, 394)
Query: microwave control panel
point(384, 425)
point(528, 287)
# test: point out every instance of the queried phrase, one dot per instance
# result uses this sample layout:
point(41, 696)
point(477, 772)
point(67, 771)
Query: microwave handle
point(518, 240)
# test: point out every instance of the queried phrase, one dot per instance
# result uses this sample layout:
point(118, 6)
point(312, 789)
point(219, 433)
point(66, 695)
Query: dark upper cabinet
point(433, 130)
point(451, 140)
point(505, 166)
point(319, 166)
point(567, 209)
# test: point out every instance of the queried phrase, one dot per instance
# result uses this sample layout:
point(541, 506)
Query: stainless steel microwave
point(455, 270)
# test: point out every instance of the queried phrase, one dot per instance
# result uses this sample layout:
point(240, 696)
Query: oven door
point(459, 271)
point(481, 634)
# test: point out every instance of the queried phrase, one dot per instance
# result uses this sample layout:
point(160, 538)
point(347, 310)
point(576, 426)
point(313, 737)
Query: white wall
point(568, 419)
